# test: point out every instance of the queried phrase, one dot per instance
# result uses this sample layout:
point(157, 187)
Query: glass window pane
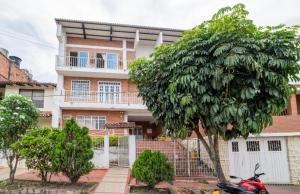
point(112, 60)
point(83, 58)
point(27, 93)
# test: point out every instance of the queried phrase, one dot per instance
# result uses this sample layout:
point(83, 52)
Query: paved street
point(284, 189)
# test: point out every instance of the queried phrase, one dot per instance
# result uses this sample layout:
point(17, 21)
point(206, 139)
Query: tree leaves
point(226, 72)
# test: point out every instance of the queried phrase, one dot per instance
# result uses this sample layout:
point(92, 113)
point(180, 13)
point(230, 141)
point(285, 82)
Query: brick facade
point(130, 55)
point(111, 117)
point(293, 146)
point(10, 72)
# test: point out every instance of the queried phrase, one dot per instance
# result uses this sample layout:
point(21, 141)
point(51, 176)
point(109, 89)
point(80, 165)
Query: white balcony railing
point(103, 97)
point(88, 62)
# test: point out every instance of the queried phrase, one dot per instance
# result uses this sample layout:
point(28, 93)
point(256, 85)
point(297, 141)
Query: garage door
point(270, 153)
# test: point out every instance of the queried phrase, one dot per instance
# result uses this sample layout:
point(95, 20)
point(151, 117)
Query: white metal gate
point(270, 152)
point(123, 151)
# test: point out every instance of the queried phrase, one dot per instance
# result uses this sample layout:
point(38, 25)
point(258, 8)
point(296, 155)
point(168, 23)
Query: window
point(67, 117)
point(80, 88)
point(109, 92)
point(274, 145)
point(79, 59)
point(253, 146)
point(235, 146)
point(112, 61)
point(91, 122)
point(37, 96)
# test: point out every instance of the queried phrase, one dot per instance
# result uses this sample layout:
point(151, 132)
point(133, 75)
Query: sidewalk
point(4, 172)
point(115, 181)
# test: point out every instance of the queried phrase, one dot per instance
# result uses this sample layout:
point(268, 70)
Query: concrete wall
point(144, 50)
point(293, 149)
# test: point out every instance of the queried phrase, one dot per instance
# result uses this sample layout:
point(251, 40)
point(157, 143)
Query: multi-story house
point(93, 84)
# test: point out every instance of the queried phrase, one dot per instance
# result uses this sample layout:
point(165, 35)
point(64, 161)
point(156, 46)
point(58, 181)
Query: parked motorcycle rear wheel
point(263, 192)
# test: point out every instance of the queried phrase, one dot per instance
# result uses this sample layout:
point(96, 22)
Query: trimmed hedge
point(152, 168)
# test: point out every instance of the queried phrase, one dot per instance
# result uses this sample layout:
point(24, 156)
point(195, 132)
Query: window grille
point(235, 146)
point(274, 145)
point(80, 88)
point(253, 146)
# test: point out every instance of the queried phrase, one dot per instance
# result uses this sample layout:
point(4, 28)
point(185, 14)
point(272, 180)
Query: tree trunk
point(13, 163)
point(212, 148)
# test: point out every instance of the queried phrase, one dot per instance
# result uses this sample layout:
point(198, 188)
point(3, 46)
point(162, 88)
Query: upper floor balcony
point(109, 66)
point(102, 100)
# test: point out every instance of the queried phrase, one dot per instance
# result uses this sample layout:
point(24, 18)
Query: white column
point(159, 40)
point(132, 149)
point(136, 39)
point(124, 55)
point(106, 152)
point(125, 120)
point(61, 36)
point(58, 98)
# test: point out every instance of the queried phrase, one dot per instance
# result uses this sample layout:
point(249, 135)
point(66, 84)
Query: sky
point(28, 29)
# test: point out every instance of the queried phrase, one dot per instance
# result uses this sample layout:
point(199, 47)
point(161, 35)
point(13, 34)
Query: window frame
point(78, 62)
point(80, 96)
point(117, 62)
point(32, 96)
point(99, 118)
point(110, 82)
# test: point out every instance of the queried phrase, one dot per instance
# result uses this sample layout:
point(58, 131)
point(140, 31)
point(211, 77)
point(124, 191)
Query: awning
point(122, 125)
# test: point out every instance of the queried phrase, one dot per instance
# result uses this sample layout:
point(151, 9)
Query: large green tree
point(17, 114)
point(226, 76)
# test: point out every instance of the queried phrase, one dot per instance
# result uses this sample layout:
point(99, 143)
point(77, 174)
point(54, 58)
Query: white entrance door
point(270, 153)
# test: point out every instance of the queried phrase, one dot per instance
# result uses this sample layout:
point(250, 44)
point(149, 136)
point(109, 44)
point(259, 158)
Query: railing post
point(174, 152)
point(188, 157)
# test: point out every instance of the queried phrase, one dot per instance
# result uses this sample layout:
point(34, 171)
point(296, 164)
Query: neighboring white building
point(40, 93)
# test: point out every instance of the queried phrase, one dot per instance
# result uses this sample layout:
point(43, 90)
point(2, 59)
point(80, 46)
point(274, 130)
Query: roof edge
point(57, 20)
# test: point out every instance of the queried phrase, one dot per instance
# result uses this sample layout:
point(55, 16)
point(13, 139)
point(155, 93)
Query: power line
point(35, 41)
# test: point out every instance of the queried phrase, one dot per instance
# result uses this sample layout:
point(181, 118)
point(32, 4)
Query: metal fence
point(189, 157)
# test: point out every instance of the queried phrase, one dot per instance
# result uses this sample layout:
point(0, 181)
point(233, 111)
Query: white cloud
point(34, 20)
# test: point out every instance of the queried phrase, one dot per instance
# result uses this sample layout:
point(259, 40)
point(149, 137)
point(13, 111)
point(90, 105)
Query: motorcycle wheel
point(263, 192)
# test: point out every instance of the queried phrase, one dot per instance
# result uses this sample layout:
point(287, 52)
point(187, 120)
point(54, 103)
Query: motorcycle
point(252, 185)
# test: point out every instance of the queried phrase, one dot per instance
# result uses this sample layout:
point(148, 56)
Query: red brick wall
point(126, 85)
point(156, 130)
point(98, 42)
point(16, 74)
point(292, 107)
point(102, 43)
point(111, 117)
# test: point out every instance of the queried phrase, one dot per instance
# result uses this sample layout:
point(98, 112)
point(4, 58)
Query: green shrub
point(36, 147)
point(74, 151)
point(152, 168)
point(113, 140)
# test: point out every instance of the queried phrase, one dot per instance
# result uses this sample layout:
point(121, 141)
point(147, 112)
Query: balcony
point(92, 67)
point(103, 100)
